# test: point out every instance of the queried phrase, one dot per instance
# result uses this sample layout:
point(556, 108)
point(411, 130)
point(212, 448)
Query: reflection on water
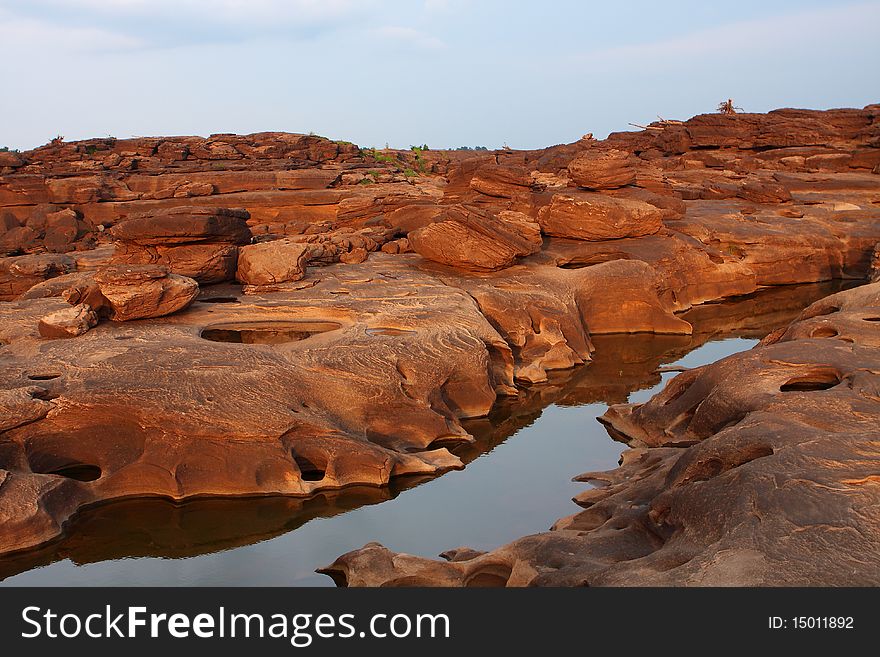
point(517, 482)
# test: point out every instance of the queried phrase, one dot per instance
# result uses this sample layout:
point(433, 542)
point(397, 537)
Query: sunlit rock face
point(387, 297)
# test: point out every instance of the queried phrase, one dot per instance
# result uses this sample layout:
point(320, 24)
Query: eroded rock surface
point(364, 367)
point(465, 237)
point(144, 291)
point(757, 470)
point(269, 263)
point(68, 322)
point(595, 218)
point(199, 243)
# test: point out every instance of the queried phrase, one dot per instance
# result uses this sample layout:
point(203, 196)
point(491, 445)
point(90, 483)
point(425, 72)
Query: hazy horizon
point(448, 73)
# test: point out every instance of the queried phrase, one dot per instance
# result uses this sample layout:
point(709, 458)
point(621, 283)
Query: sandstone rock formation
point(268, 263)
point(201, 243)
point(621, 364)
point(466, 237)
point(756, 470)
point(605, 169)
point(19, 274)
point(144, 291)
point(68, 322)
point(437, 284)
point(594, 217)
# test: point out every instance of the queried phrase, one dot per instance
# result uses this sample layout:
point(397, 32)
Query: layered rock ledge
point(387, 296)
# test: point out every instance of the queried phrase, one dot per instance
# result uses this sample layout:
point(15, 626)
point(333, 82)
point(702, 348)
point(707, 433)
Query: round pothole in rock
point(312, 464)
point(824, 332)
point(811, 382)
point(389, 331)
point(219, 300)
point(276, 332)
point(77, 471)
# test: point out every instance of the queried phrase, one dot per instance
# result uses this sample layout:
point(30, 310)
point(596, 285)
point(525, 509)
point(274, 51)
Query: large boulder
point(269, 263)
point(594, 217)
point(200, 243)
point(143, 291)
point(471, 238)
point(502, 181)
point(602, 169)
point(63, 228)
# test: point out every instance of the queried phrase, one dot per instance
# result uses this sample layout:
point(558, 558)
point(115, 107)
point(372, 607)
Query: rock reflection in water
point(156, 527)
point(622, 365)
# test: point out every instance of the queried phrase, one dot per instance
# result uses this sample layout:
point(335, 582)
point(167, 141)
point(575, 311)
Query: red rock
point(759, 191)
point(185, 224)
point(397, 246)
point(140, 292)
point(10, 159)
point(17, 240)
point(672, 206)
point(602, 169)
point(471, 238)
point(7, 222)
point(501, 181)
point(412, 217)
point(195, 242)
point(269, 263)
point(68, 323)
point(682, 512)
point(62, 230)
point(87, 190)
point(356, 256)
point(590, 216)
point(407, 347)
point(19, 274)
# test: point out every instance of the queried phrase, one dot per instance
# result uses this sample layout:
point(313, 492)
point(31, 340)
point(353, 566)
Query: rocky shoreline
point(338, 327)
point(757, 470)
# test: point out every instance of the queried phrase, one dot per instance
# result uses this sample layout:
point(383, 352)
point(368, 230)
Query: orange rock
point(268, 263)
point(143, 291)
point(68, 323)
point(471, 238)
point(592, 217)
point(602, 169)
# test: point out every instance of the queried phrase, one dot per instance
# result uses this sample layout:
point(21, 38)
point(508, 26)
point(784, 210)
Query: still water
point(517, 480)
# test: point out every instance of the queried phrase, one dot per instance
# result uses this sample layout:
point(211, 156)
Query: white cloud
point(182, 22)
point(31, 33)
point(409, 36)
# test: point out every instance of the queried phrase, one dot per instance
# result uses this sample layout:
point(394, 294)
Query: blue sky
point(442, 72)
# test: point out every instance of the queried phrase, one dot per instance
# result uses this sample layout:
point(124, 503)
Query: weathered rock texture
point(200, 243)
point(364, 368)
point(268, 263)
point(467, 238)
point(621, 364)
point(757, 470)
point(143, 291)
point(595, 218)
